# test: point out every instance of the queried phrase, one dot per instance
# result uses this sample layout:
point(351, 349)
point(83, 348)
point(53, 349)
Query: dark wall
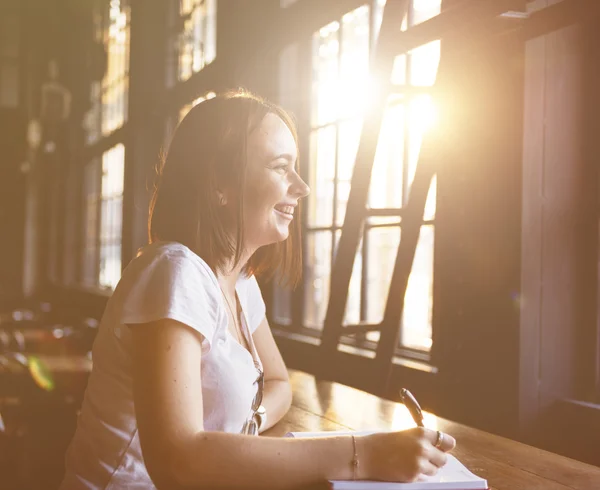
point(12, 203)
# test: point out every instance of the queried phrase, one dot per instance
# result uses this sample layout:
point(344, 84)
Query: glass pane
point(386, 179)
point(347, 148)
point(383, 248)
point(399, 70)
point(422, 115)
point(353, 305)
point(430, 204)
point(320, 212)
point(418, 303)
point(378, 16)
point(210, 39)
point(317, 272)
point(425, 9)
point(110, 265)
point(354, 66)
point(282, 305)
point(424, 62)
point(326, 48)
point(111, 217)
point(115, 83)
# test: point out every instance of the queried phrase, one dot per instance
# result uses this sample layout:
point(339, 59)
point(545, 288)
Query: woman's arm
point(277, 397)
point(179, 454)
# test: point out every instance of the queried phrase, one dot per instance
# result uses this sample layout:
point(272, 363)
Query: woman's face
point(273, 188)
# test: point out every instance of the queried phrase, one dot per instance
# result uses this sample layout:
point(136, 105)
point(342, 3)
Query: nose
point(299, 188)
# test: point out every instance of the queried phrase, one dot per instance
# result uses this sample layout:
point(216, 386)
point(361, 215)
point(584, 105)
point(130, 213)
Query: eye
point(281, 167)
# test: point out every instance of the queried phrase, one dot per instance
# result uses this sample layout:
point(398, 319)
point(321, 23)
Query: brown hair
point(208, 150)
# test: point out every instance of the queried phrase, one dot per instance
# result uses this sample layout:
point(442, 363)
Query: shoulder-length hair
point(207, 153)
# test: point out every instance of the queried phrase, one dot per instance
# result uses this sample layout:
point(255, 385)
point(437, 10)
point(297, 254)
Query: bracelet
point(354, 458)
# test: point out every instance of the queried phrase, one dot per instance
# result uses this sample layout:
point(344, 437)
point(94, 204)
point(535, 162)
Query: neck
point(229, 275)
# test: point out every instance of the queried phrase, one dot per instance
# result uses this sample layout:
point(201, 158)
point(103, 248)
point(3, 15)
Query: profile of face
point(273, 187)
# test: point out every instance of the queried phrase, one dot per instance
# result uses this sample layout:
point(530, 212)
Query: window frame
point(296, 321)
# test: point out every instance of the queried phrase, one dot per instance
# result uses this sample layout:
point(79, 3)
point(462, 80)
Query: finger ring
point(440, 439)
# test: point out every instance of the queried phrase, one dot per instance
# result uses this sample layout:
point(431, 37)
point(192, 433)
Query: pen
point(413, 406)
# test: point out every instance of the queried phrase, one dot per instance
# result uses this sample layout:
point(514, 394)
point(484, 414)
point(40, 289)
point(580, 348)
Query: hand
point(401, 456)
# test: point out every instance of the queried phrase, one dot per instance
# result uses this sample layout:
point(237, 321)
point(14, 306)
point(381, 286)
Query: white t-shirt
point(167, 280)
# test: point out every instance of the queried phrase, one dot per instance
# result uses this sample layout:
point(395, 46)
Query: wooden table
point(506, 464)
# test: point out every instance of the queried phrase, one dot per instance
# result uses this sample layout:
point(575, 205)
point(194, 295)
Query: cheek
point(264, 193)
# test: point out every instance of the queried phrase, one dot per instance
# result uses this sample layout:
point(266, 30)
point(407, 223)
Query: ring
point(440, 439)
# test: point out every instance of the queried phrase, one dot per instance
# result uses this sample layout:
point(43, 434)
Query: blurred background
point(478, 291)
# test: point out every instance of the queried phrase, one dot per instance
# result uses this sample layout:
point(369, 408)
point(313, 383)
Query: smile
point(285, 211)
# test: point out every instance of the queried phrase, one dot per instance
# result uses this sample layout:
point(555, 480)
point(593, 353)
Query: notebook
point(453, 476)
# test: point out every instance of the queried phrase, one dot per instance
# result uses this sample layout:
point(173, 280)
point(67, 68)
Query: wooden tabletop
point(506, 464)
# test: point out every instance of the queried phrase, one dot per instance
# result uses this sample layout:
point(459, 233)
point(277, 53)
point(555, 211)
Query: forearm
point(277, 399)
point(222, 460)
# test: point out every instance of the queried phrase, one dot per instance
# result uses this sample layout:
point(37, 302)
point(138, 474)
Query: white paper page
point(453, 476)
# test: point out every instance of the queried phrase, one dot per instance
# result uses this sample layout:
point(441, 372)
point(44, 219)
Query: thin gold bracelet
point(354, 459)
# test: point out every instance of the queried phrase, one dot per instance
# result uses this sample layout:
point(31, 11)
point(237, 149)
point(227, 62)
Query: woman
point(185, 366)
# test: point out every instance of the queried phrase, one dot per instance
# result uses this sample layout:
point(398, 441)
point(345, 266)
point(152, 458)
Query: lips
point(284, 210)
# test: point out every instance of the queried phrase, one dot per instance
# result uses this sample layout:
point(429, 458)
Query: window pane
point(347, 148)
point(322, 161)
point(115, 83)
point(422, 115)
point(282, 305)
point(325, 74)
point(317, 271)
point(383, 248)
point(386, 178)
point(418, 302)
point(198, 40)
point(111, 219)
point(353, 304)
point(424, 62)
point(425, 9)
point(354, 66)
point(431, 200)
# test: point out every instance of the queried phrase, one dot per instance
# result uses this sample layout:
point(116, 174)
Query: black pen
point(413, 406)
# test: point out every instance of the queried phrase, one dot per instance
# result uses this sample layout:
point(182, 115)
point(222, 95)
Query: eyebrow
point(286, 156)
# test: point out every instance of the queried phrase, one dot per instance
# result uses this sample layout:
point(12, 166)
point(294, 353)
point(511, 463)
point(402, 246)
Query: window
point(340, 88)
point(111, 216)
point(103, 207)
point(109, 96)
point(115, 83)
point(197, 36)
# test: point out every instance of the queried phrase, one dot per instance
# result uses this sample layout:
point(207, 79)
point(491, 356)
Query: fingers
point(437, 458)
point(447, 442)
point(427, 468)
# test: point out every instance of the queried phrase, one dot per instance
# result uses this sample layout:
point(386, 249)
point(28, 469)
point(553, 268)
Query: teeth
point(286, 209)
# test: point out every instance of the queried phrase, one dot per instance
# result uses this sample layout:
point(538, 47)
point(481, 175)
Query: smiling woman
point(186, 369)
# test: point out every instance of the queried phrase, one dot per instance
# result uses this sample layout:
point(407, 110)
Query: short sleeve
point(173, 284)
point(254, 303)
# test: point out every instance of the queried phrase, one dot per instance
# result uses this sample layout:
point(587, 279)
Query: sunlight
point(402, 420)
